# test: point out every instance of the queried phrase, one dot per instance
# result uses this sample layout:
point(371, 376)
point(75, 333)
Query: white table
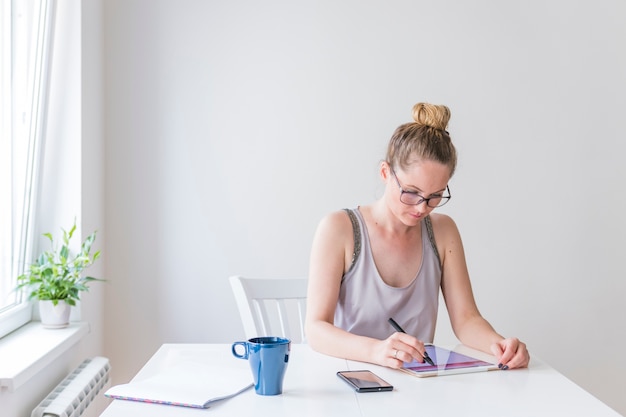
point(311, 388)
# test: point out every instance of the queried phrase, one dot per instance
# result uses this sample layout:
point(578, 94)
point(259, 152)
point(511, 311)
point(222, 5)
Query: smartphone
point(365, 381)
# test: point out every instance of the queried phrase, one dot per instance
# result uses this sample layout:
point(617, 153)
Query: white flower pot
point(54, 316)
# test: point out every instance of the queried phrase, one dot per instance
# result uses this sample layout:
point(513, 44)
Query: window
point(24, 58)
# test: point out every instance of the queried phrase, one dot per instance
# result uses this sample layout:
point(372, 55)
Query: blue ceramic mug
point(268, 357)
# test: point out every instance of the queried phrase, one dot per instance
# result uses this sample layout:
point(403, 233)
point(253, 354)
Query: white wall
point(232, 127)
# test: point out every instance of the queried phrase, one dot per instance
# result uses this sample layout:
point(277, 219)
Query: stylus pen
point(399, 329)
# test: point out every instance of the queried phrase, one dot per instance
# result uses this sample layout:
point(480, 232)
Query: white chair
point(271, 306)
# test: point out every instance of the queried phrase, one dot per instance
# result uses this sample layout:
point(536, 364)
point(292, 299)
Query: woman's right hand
point(397, 349)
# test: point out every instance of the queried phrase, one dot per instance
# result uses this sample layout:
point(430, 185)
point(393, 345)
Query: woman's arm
point(468, 324)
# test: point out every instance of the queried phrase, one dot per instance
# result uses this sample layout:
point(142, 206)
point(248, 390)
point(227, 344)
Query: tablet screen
point(445, 359)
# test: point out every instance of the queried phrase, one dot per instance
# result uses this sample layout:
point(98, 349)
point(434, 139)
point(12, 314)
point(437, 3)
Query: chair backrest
point(271, 306)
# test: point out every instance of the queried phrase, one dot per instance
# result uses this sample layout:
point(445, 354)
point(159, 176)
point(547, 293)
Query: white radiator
point(77, 391)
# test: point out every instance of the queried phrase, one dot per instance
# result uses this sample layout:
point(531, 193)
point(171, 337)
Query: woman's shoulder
point(443, 224)
point(334, 233)
point(337, 220)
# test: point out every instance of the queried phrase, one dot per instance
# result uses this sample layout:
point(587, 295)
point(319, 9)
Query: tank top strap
point(356, 233)
point(431, 237)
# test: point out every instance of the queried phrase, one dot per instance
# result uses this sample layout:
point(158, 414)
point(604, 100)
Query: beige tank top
point(366, 302)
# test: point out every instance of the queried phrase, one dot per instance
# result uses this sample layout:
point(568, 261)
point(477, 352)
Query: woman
point(390, 258)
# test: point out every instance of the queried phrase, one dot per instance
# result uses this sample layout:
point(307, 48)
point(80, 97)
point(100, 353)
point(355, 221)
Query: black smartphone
point(365, 381)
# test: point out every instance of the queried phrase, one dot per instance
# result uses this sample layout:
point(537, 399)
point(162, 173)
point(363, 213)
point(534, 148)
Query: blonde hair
point(426, 138)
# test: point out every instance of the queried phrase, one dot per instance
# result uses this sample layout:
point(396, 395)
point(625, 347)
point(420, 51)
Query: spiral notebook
point(185, 385)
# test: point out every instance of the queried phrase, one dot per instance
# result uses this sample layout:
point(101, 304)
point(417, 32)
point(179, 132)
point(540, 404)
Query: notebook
point(447, 362)
point(186, 384)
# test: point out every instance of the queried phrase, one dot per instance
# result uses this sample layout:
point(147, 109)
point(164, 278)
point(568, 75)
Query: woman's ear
point(385, 171)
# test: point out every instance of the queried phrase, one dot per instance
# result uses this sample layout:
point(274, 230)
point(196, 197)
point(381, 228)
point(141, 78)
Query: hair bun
point(432, 115)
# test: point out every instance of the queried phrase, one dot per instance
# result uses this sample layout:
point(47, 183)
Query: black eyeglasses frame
point(444, 198)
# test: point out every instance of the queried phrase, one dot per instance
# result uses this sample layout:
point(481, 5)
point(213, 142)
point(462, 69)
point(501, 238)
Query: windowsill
point(31, 348)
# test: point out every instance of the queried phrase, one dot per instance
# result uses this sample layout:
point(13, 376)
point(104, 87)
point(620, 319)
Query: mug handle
point(245, 347)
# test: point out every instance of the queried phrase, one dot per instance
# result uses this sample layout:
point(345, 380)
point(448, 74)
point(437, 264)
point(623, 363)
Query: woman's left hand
point(511, 353)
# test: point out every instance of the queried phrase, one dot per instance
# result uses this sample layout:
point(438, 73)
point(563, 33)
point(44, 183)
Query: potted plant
point(56, 280)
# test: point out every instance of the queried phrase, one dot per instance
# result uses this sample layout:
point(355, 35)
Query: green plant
point(55, 275)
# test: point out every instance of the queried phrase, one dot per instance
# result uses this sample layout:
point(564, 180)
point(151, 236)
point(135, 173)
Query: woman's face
point(421, 179)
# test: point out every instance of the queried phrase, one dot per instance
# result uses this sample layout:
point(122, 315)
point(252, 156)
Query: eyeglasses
point(413, 198)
